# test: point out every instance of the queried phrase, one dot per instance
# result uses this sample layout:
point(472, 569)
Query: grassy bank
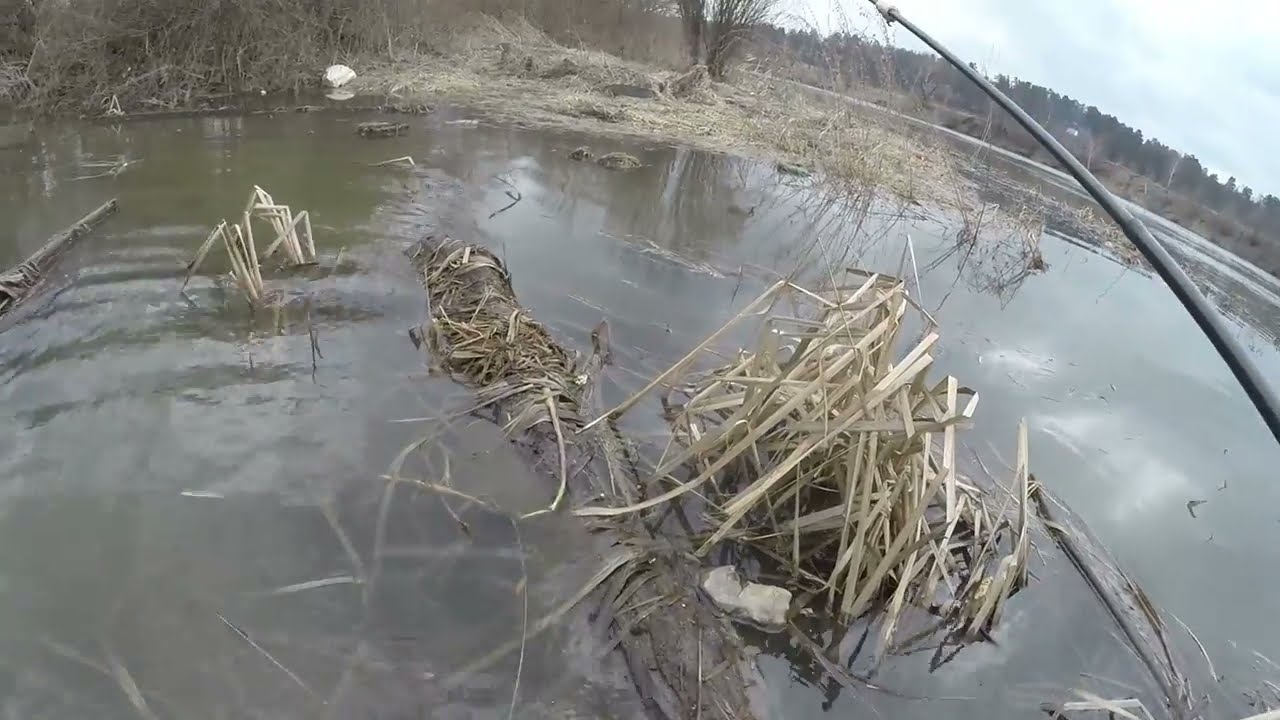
point(1223, 230)
point(545, 63)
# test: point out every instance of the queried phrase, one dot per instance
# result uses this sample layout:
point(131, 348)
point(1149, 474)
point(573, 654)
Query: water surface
point(167, 463)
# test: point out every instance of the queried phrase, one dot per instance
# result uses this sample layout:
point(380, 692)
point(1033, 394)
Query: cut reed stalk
point(241, 247)
point(831, 457)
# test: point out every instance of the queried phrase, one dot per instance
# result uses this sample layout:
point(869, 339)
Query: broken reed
point(238, 240)
point(826, 455)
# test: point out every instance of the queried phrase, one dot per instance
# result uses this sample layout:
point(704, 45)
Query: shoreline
point(514, 74)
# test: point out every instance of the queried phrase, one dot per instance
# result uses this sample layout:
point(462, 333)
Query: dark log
point(21, 282)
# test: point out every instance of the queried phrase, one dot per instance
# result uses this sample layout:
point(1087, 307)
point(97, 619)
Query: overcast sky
point(1202, 77)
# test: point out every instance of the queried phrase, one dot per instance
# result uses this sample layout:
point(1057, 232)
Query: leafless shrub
point(79, 54)
point(716, 30)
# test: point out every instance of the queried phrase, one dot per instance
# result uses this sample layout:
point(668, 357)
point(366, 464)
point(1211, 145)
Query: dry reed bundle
point(839, 463)
point(482, 336)
point(241, 248)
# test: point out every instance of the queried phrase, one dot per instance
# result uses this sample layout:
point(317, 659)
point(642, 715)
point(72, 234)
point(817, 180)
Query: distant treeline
point(845, 62)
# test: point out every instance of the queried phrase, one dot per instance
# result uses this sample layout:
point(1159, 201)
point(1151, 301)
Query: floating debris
point(1131, 708)
point(408, 160)
point(379, 129)
point(581, 153)
point(203, 494)
point(817, 449)
point(19, 283)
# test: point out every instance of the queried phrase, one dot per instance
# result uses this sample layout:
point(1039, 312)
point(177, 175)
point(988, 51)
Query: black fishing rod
point(1210, 322)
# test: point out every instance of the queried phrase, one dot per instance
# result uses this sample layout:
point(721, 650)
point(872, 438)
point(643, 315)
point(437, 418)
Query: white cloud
point(1202, 77)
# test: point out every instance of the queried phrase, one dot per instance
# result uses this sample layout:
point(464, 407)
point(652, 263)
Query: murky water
point(174, 471)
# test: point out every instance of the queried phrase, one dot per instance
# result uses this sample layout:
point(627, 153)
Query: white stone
point(763, 605)
point(338, 75)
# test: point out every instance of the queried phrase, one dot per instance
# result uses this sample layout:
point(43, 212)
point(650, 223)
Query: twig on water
point(515, 196)
point(348, 547)
point(564, 477)
point(698, 704)
point(1212, 672)
point(406, 159)
point(444, 480)
point(313, 584)
point(245, 636)
point(380, 536)
point(621, 558)
point(314, 335)
point(524, 628)
point(127, 684)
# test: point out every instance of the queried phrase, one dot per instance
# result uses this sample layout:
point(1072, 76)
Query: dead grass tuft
point(818, 449)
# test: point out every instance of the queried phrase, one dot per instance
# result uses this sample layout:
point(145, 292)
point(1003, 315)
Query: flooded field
point(188, 507)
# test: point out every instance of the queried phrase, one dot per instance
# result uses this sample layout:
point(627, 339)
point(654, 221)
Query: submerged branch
point(19, 283)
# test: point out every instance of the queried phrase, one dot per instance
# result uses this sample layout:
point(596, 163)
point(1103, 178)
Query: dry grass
point(512, 72)
point(819, 450)
point(480, 335)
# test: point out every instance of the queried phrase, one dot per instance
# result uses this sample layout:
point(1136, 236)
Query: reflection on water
point(276, 586)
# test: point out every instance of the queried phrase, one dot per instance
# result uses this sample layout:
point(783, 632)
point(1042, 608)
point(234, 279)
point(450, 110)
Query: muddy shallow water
point(173, 472)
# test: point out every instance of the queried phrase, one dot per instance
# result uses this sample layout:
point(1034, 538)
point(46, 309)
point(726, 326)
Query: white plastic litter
point(335, 76)
point(765, 606)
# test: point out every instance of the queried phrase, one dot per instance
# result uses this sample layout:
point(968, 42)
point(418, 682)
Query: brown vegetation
point(715, 31)
point(78, 54)
point(618, 67)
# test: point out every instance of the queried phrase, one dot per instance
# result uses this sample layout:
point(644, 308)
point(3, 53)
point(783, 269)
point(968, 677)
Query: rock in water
point(762, 605)
point(618, 161)
point(335, 76)
point(582, 153)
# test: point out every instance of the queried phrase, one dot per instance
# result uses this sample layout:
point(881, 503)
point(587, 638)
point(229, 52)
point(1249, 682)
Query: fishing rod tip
point(886, 10)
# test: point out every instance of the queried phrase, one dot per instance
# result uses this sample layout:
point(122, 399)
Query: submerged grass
point(818, 449)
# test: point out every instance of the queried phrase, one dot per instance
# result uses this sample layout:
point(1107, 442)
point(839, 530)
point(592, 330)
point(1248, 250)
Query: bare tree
point(716, 29)
point(693, 13)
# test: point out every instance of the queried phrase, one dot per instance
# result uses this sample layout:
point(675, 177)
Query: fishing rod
point(1210, 322)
